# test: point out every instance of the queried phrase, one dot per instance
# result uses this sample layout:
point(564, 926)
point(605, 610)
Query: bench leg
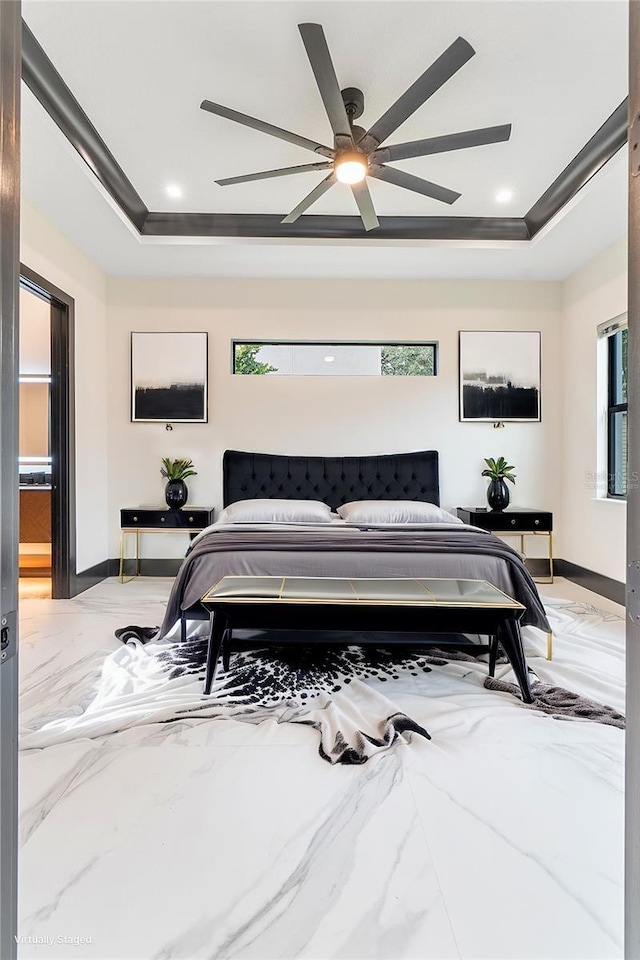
point(511, 641)
point(226, 649)
point(493, 655)
point(183, 627)
point(217, 627)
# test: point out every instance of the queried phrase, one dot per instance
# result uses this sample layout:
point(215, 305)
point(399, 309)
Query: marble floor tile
point(499, 838)
point(218, 852)
point(527, 841)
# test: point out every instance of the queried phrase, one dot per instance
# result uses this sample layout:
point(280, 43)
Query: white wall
point(48, 252)
point(118, 462)
point(593, 528)
point(327, 415)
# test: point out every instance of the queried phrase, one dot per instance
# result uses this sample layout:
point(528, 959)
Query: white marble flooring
point(500, 838)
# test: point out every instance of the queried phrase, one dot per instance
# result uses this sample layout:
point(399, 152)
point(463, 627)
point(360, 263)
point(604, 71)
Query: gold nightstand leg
point(123, 542)
point(549, 537)
point(137, 553)
point(550, 646)
point(122, 556)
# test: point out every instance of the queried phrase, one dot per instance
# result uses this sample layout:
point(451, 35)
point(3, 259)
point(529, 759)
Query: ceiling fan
point(358, 153)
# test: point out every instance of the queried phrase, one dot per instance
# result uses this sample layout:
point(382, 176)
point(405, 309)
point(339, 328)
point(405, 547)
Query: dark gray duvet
point(455, 550)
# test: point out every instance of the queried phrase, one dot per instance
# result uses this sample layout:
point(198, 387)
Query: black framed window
point(617, 414)
point(335, 358)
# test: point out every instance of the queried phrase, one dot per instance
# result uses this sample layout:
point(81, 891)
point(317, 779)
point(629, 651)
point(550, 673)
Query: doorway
point(34, 447)
point(47, 553)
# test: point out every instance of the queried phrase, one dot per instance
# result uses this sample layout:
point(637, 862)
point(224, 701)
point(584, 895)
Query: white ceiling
point(555, 69)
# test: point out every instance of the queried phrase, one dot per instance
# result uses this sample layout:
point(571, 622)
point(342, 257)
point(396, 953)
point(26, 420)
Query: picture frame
point(169, 377)
point(500, 376)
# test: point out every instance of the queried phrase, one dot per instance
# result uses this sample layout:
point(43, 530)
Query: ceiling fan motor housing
point(353, 102)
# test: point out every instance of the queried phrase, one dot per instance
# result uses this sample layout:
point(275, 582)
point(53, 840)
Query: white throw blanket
point(359, 699)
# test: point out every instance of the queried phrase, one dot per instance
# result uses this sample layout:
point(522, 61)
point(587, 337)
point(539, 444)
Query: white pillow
point(394, 511)
point(276, 511)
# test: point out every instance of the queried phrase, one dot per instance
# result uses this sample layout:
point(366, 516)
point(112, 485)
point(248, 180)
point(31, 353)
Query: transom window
point(335, 358)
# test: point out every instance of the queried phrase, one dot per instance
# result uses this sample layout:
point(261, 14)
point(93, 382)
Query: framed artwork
point(500, 375)
point(169, 377)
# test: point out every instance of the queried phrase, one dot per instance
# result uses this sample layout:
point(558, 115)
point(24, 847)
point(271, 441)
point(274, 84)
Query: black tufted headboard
point(335, 480)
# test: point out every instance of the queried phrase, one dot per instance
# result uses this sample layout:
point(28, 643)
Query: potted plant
point(175, 471)
point(497, 493)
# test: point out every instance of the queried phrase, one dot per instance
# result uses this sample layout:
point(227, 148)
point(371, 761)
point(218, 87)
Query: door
point(10, 66)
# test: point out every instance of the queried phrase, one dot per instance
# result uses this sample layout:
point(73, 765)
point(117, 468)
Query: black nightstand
point(518, 522)
point(137, 520)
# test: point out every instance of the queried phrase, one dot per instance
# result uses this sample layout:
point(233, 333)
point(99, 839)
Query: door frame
point(632, 746)
point(10, 68)
point(63, 452)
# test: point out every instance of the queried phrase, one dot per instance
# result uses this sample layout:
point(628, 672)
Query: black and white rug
point(355, 697)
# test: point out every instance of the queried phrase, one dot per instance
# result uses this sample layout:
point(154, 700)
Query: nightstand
point(516, 522)
point(137, 520)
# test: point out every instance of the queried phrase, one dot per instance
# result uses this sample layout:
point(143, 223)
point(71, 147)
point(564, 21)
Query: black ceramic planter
point(498, 495)
point(176, 494)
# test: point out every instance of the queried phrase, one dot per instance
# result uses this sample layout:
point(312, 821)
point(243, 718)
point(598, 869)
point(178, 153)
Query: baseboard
point(148, 568)
point(596, 582)
point(90, 577)
point(537, 566)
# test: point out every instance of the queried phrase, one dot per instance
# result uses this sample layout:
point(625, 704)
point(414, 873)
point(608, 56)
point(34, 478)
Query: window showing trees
point(617, 414)
point(342, 358)
point(244, 359)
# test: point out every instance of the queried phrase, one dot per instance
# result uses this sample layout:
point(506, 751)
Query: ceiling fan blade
point(310, 198)
point(318, 52)
point(452, 141)
point(365, 205)
point(265, 127)
point(268, 174)
point(417, 184)
point(424, 87)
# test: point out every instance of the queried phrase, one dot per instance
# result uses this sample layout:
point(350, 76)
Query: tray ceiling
point(555, 70)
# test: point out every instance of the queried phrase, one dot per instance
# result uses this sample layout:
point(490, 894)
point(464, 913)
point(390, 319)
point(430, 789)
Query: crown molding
point(46, 84)
point(602, 146)
point(312, 226)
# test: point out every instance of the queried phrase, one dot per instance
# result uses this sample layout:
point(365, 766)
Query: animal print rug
point(352, 696)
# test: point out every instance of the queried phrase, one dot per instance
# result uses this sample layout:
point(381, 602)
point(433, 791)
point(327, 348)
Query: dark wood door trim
point(63, 466)
point(632, 745)
point(9, 350)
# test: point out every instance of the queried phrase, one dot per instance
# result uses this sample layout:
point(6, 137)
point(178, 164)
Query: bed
point(446, 550)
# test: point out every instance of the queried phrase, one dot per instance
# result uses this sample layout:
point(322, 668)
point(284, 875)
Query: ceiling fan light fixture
point(351, 167)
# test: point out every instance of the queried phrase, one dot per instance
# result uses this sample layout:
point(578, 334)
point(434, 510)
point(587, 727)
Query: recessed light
point(329, 359)
point(174, 191)
point(503, 196)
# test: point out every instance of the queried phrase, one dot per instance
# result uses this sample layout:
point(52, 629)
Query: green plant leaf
point(177, 469)
point(498, 469)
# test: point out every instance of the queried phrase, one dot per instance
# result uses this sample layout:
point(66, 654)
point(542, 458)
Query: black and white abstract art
point(169, 377)
point(500, 375)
